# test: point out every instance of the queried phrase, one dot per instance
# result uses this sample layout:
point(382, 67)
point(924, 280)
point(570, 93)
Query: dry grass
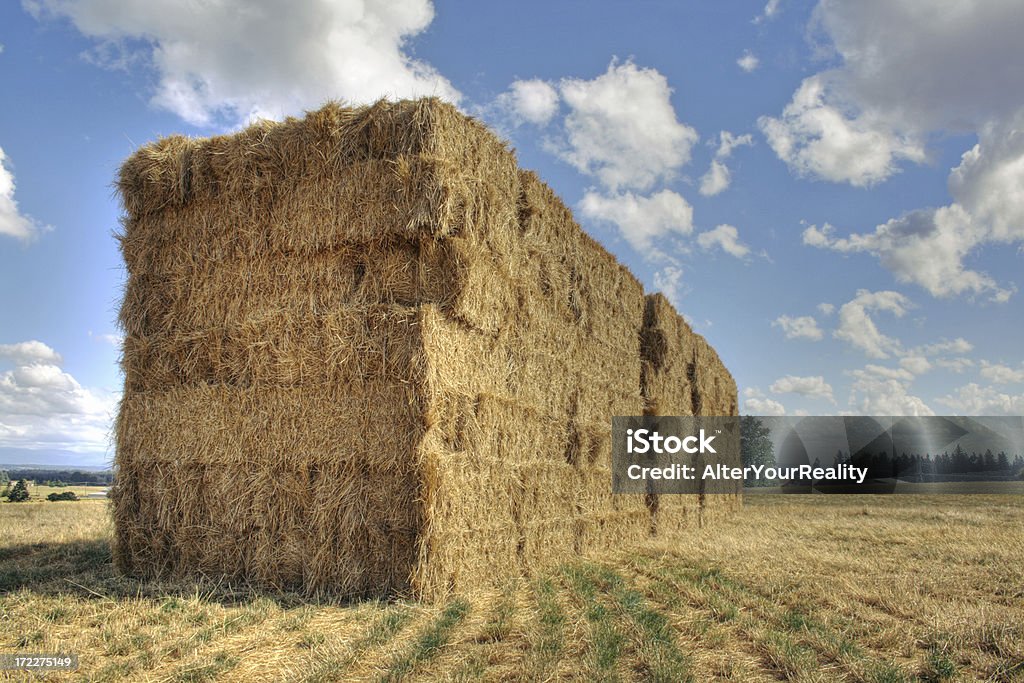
point(840, 588)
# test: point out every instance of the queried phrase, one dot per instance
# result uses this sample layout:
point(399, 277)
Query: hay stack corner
point(365, 353)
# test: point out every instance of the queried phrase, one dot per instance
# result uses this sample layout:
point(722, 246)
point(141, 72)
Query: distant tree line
point(883, 464)
point(59, 477)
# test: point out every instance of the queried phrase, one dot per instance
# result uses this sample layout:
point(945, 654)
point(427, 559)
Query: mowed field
point(807, 588)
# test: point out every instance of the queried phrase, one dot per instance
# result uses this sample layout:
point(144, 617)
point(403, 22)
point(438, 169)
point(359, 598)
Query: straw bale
point(682, 375)
point(365, 353)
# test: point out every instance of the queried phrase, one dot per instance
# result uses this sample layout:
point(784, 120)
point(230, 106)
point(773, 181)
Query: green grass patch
point(430, 641)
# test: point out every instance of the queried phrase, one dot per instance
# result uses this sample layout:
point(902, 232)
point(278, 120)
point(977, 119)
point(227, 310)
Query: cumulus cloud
point(957, 365)
point(621, 128)
point(29, 353)
point(924, 247)
point(826, 308)
point(820, 140)
point(225, 62)
point(815, 386)
point(44, 407)
point(641, 220)
point(532, 101)
point(883, 391)
point(946, 346)
point(13, 222)
point(973, 399)
point(910, 69)
point(998, 373)
point(718, 177)
point(899, 374)
point(763, 406)
point(748, 61)
point(917, 365)
point(857, 328)
point(716, 180)
point(802, 327)
point(726, 238)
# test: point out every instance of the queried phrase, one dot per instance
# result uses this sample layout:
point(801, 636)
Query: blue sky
point(831, 192)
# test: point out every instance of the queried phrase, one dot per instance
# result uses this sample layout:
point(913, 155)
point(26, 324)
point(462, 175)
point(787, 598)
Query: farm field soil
point(807, 588)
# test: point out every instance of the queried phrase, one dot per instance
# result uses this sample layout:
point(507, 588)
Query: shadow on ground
point(85, 569)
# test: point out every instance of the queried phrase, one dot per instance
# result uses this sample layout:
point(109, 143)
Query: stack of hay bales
point(682, 375)
point(365, 353)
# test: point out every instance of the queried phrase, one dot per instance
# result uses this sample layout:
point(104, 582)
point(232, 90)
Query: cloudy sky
point(831, 192)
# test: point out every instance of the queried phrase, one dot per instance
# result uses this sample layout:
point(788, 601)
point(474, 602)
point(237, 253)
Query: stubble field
point(805, 588)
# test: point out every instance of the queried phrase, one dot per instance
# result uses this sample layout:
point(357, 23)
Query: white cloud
point(13, 223)
point(763, 406)
point(227, 61)
point(817, 139)
point(641, 220)
point(917, 365)
point(44, 407)
point(826, 308)
point(910, 69)
point(669, 281)
point(946, 346)
point(726, 238)
point(883, 372)
point(727, 142)
point(880, 391)
point(748, 62)
point(533, 101)
point(716, 180)
point(922, 64)
point(924, 247)
point(622, 129)
point(718, 176)
point(29, 352)
point(1001, 374)
point(803, 327)
point(857, 328)
point(957, 365)
point(972, 399)
point(805, 386)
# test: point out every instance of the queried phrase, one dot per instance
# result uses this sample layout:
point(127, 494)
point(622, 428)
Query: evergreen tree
point(19, 493)
point(990, 460)
point(755, 444)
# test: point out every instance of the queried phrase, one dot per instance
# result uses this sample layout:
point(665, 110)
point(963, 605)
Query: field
point(808, 588)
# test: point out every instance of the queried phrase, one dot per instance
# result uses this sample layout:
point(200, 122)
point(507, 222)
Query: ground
point(808, 588)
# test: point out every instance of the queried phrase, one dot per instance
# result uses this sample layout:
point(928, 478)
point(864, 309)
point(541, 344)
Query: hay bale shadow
point(85, 569)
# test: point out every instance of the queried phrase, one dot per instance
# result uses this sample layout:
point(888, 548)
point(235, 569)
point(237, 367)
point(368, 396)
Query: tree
point(755, 444)
point(65, 495)
point(19, 493)
point(1002, 462)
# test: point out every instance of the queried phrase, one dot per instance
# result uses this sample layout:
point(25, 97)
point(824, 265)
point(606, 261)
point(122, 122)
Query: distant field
point(809, 588)
point(40, 492)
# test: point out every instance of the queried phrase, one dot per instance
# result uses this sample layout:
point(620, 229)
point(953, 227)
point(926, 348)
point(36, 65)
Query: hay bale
point(365, 353)
point(682, 375)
